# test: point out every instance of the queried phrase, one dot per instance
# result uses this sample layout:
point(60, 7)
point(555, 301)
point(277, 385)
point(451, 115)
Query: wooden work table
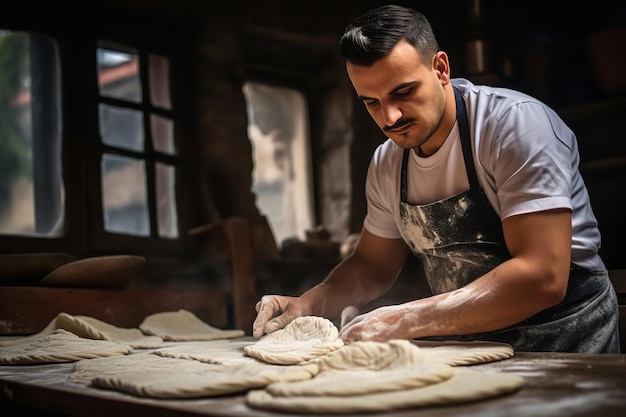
point(556, 384)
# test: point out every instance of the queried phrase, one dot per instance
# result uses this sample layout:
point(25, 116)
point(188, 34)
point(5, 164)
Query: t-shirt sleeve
point(382, 194)
point(531, 160)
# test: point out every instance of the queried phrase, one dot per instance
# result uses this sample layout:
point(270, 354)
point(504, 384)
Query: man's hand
point(379, 325)
point(276, 311)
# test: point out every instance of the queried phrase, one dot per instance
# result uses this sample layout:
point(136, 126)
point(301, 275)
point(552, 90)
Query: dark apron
point(460, 238)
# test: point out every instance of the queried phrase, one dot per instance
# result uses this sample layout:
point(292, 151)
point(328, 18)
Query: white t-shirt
point(526, 160)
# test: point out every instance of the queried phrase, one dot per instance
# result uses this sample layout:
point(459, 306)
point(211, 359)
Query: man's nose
point(391, 114)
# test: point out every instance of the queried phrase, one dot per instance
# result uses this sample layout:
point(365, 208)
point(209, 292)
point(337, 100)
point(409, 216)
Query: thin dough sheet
point(183, 325)
point(367, 367)
point(465, 353)
point(92, 328)
point(196, 379)
point(217, 352)
point(60, 346)
point(464, 386)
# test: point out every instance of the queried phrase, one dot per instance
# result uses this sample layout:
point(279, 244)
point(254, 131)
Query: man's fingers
point(276, 324)
point(266, 309)
point(258, 328)
point(271, 314)
point(261, 327)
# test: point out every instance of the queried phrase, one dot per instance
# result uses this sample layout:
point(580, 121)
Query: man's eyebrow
point(395, 89)
point(401, 86)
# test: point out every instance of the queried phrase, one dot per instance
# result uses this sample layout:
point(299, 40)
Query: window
point(31, 186)
point(282, 175)
point(139, 146)
point(93, 151)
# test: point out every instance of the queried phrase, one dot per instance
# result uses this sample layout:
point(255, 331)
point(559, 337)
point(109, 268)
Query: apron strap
point(403, 187)
point(461, 117)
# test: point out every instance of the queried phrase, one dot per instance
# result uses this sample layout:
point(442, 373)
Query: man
point(483, 185)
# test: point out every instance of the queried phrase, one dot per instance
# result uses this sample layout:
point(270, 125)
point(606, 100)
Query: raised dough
point(367, 367)
point(182, 325)
point(91, 328)
point(391, 355)
point(60, 346)
point(303, 339)
point(464, 386)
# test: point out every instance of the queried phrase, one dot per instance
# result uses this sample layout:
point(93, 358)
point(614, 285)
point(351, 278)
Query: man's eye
point(403, 93)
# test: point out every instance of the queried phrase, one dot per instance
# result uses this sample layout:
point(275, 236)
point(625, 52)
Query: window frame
point(81, 145)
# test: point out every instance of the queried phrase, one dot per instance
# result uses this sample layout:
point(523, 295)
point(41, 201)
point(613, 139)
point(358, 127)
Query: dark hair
point(374, 34)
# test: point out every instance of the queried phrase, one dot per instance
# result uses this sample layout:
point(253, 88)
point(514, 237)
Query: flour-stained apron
point(460, 238)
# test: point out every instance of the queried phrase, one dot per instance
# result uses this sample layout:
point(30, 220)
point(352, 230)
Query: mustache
point(399, 124)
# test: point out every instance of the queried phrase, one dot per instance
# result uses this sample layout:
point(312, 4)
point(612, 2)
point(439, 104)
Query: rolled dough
point(303, 339)
point(196, 379)
point(367, 367)
point(394, 354)
point(91, 328)
point(464, 353)
point(465, 385)
point(86, 370)
point(228, 352)
point(183, 325)
point(60, 346)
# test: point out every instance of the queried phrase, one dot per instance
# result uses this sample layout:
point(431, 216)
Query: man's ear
point(441, 66)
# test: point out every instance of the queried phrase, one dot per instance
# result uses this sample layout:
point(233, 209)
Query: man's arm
point(364, 275)
point(361, 277)
point(534, 279)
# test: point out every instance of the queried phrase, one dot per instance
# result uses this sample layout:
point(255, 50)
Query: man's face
point(403, 94)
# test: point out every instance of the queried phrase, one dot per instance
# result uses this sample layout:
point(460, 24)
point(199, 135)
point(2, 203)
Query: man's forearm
point(351, 283)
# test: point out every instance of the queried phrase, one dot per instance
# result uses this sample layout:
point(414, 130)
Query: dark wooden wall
point(571, 56)
point(568, 57)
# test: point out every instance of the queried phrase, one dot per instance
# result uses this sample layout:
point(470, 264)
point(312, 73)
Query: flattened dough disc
point(465, 385)
point(60, 346)
point(183, 325)
point(91, 328)
point(465, 353)
point(366, 367)
point(195, 379)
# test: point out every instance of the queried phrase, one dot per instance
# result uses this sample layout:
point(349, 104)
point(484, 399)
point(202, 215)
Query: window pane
point(121, 127)
point(31, 185)
point(278, 130)
point(124, 196)
point(166, 200)
point(118, 75)
point(162, 134)
point(159, 68)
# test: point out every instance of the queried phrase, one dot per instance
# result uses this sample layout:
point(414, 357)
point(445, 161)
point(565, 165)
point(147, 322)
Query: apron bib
point(459, 239)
